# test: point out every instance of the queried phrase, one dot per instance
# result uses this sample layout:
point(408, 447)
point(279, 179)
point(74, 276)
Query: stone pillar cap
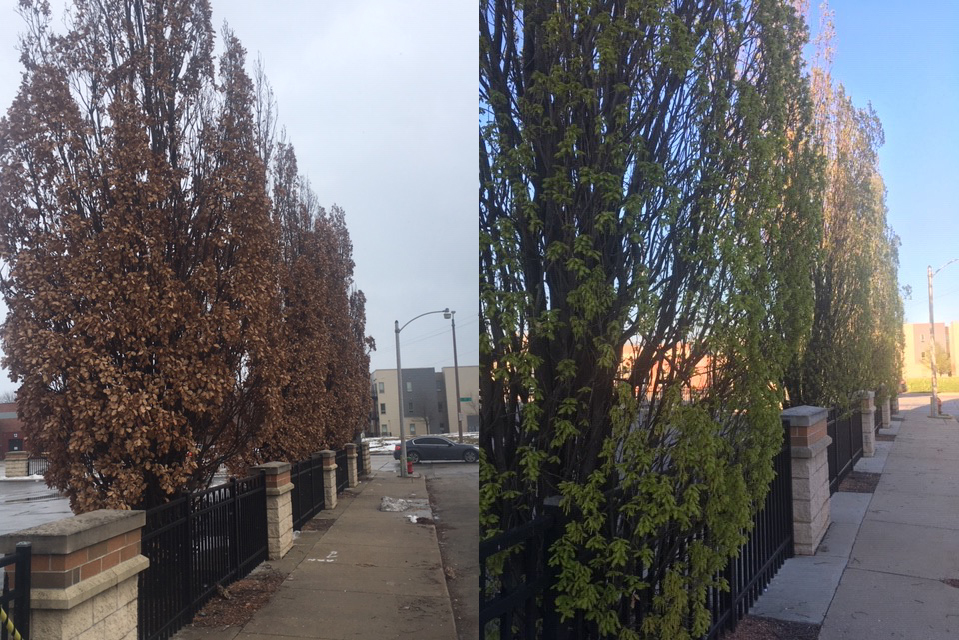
point(273, 468)
point(805, 415)
point(67, 535)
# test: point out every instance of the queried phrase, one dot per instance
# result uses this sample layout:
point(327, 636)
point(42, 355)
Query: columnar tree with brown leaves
point(323, 322)
point(139, 252)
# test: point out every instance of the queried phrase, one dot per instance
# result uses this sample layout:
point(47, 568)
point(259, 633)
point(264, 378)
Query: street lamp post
point(456, 374)
point(934, 401)
point(399, 387)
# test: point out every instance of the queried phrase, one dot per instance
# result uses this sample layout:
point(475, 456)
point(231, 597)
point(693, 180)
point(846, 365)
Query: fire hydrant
point(409, 466)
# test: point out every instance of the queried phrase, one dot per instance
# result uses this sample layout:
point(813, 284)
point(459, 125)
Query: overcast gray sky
point(379, 99)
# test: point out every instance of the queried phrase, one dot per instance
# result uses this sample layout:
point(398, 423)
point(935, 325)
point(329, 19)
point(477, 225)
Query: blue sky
point(902, 57)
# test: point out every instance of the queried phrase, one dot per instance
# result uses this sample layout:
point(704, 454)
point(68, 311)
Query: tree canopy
point(152, 322)
point(650, 201)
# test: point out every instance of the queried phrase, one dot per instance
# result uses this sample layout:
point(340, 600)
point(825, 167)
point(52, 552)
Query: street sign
point(466, 399)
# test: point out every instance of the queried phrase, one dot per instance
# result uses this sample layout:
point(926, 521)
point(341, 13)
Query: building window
point(384, 429)
point(439, 406)
point(379, 386)
point(382, 407)
point(412, 428)
point(409, 407)
point(409, 387)
point(922, 337)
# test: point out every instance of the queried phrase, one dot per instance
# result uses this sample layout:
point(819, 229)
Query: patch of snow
point(393, 504)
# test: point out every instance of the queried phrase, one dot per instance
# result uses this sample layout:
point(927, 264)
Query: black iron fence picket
point(342, 471)
point(196, 543)
point(37, 466)
point(361, 469)
point(845, 429)
point(515, 600)
point(308, 490)
point(767, 546)
point(15, 593)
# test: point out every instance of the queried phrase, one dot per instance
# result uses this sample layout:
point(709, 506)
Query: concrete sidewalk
point(908, 542)
point(370, 574)
point(879, 571)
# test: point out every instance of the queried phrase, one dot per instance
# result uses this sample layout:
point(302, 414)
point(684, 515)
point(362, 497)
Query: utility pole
point(934, 401)
point(456, 376)
point(399, 386)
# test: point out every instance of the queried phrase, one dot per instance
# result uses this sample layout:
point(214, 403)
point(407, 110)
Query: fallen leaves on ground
point(236, 605)
point(860, 482)
point(756, 628)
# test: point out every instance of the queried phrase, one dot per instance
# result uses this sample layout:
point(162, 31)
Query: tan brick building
point(918, 344)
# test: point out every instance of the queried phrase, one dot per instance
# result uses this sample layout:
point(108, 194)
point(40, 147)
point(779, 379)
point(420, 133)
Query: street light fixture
point(399, 387)
point(456, 374)
point(934, 401)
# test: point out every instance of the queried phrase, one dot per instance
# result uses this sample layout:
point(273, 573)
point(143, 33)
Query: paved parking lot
point(29, 503)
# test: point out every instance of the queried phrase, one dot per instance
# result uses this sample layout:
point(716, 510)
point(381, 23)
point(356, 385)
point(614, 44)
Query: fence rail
point(195, 543)
point(308, 490)
point(15, 598)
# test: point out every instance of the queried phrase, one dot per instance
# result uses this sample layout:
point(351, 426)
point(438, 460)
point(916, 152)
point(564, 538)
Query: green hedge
point(925, 384)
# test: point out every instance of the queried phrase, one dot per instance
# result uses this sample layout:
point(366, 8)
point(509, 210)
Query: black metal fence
point(37, 466)
point(521, 605)
point(361, 469)
point(767, 547)
point(342, 471)
point(308, 496)
point(15, 598)
point(520, 597)
point(845, 429)
point(877, 415)
point(195, 543)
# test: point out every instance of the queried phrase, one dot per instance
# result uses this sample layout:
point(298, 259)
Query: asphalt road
point(29, 503)
point(454, 500)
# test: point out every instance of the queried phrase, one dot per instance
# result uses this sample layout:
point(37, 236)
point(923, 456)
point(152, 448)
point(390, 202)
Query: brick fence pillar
point(279, 508)
point(810, 476)
point(351, 465)
point(867, 415)
point(84, 575)
point(329, 477)
point(367, 461)
point(886, 408)
point(17, 463)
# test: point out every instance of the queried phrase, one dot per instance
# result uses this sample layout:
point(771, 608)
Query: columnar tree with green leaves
point(856, 342)
point(647, 190)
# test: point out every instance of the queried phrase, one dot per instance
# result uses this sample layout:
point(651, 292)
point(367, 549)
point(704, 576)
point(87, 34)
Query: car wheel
point(470, 456)
point(414, 456)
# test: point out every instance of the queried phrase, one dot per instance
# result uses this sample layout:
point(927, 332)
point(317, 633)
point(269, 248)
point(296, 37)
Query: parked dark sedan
point(436, 448)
